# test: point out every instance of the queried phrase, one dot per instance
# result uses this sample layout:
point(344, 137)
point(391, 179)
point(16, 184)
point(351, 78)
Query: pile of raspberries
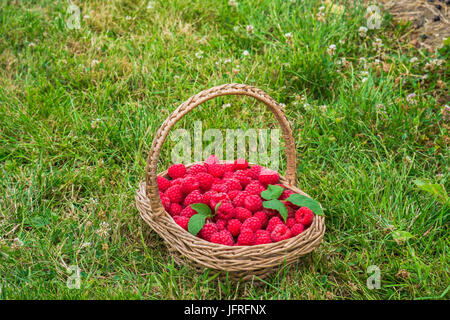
point(241, 219)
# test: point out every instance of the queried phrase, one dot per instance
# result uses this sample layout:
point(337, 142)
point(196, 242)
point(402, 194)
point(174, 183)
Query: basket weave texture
point(241, 262)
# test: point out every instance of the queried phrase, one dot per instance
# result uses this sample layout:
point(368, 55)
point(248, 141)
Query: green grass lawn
point(79, 109)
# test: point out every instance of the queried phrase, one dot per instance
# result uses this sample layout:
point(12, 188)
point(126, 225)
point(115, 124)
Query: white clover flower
point(94, 62)
point(127, 18)
point(199, 54)
point(150, 5)
point(245, 53)
point(364, 73)
point(282, 105)
point(413, 60)
point(341, 41)
point(377, 43)
point(250, 29)
point(363, 32)
point(364, 80)
point(226, 105)
point(228, 60)
point(411, 98)
point(104, 229)
point(232, 3)
point(323, 108)
point(86, 17)
point(331, 49)
point(236, 28)
point(321, 8)
point(288, 36)
point(31, 45)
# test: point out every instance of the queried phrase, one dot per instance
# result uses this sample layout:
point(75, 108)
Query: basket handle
point(222, 90)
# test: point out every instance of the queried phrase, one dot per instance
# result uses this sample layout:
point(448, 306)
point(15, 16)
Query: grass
point(74, 135)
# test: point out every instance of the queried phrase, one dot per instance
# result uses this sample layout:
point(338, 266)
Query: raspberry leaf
point(272, 192)
point(277, 205)
point(196, 223)
point(304, 201)
point(202, 209)
point(217, 206)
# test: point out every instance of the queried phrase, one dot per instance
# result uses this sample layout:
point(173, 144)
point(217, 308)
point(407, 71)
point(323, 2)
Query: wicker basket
point(241, 262)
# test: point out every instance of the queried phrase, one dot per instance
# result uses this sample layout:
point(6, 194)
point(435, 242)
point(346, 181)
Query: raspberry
point(196, 169)
point(246, 237)
point(304, 216)
point(205, 180)
point(176, 171)
point(268, 176)
point(222, 237)
point(229, 167)
point(176, 181)
point(242, 177)
point(262, 237)
point(216, 170)
point(280, 232)
point(234, 226)
point(273, 222)
point(240, 164)
point(188, 212)
point(254, 172)
point(193, 197)
point(218, 197)
point(290, 210)
point(228, 175)
point(175, 209)
point(290, 222)
point(253, 203)
point(232, 194)
point(166, 202)
point(255, 187)
point(225, 211)
point(207, 231)
point(221, 224)
point(296, 229)
point(252, 223)
point(211, 159)
point(207, 197)
point(262, 216)
point(163, 183)
point(242, 214)
point(181, 221)
point(219, 187)
point(174, 193)
point(286, 193)
point(233, 184)
point(189, 184)
point(238, 201)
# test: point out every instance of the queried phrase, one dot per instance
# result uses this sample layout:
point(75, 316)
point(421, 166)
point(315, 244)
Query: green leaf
point(217, 206)
point(304, 201)
point(277, 205)
point(272, 192)
point(196, 223)
point(434, 189)
point(202, 209)
point(401, 236)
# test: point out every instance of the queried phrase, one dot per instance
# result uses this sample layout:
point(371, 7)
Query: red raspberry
point(232, 194)
point(246, 237)
point(252, 223)
point(176, 181)
point(240, 164)
point(188, 212)
point(253, 203)
point(205, 180)
point(175, 209)
point(280, 232)
point(216, 170)
point(207, 197)
point(242, 214)
point(254, 172)
point(268, 176)
point(193, 197)
point(229, 167)
point(234, 226)
point(290, 222)
point(255, 187)
point(223, 237)
point(166, 202)
point(196, 169)
point(273, 222)
point(290, 210)
point(296, 229)
point(216, 198)
point(243, 177)
point(221, 224)
point(163, 183)
point(189, 184)
point(176, 171)
point(238, 201)
point(207, 231)
point(219, 187)
point(228, 175)
point(182, 221)
point(225, 211)
point(262, 216)
point(233, 184)
point(262, 237)
point(286, 193)
point(304, 216)
point(211, 159)
point(175, 194)
point(270, 213)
